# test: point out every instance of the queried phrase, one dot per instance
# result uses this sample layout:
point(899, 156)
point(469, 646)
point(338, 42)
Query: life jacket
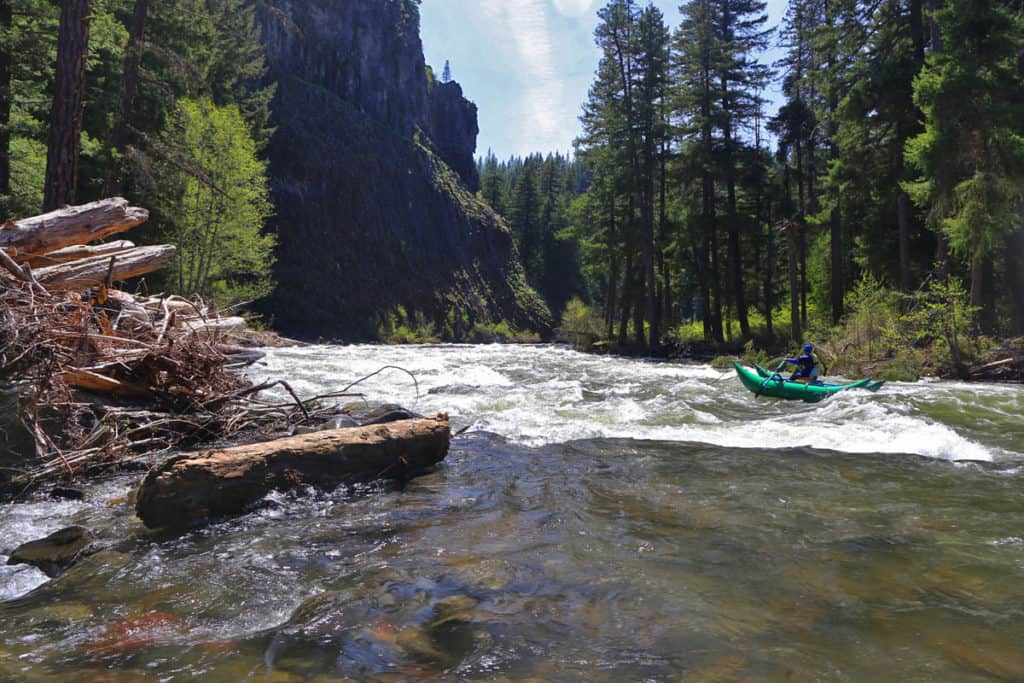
point(805, 365)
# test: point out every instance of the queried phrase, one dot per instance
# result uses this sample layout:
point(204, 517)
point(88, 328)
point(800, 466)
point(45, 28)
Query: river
point(600, 519)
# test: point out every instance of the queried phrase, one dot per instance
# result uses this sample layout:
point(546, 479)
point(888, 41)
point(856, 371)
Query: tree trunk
point(639, 305)
point(194, 486)
point(917, 31)
point(627, 273)
point(941, 246)
point(611, 296)
point(1015, 274)
point(769, 273)
point(836, 248)
point(978, 287)
point(613, 274)
point(735, 255)
point(70, 226)
point(6, 76)
point(96, 270)
point(987, 317)
point(835, 217)
point(801, 290)
point(794, 298)
point(903, 220)
point(665, 320)
point(934, 33)
point(114, 184)
point(68, 105)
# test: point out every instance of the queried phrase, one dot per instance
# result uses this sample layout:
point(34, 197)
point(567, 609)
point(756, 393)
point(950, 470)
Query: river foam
point(538, 395)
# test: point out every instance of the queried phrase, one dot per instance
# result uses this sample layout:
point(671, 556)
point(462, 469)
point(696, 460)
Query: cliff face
point(453, 129)
point(371, 215)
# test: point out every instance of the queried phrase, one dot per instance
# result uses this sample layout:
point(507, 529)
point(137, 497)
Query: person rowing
point(808, 367)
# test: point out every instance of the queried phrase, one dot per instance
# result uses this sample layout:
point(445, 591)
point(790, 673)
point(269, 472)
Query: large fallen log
point(214, 327)
point(101, 384)
point(96, 270)
point(70, 226)
point(68, 254)
point(194, 486)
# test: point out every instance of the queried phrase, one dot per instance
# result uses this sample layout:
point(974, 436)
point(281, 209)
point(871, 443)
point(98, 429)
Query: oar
point(775, 377)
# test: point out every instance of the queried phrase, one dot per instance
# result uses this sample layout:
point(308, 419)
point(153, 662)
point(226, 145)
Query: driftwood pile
point(101, 374)
point(95, 376)
point(1009, 367)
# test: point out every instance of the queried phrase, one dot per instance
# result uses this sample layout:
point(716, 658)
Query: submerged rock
point(56, 552)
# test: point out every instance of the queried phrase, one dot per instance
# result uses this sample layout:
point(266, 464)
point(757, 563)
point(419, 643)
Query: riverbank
point(994, 361)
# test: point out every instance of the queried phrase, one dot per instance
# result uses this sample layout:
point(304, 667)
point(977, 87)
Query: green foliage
point(873, 310)
point(28, 169)
point(686, 333)
point(399, 327)
point(909, 333)
point(971, 153)
point(580, 324)
point(215, 212)
point(498, 333)
point(753, 355)
point(942, 315)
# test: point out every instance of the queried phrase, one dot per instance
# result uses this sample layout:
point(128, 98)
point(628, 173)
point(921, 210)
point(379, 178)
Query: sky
point(527, 64)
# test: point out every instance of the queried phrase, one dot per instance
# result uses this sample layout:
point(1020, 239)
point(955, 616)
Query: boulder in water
point(56, 552)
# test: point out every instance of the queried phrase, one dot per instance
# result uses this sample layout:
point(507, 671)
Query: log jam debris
point(101, 375)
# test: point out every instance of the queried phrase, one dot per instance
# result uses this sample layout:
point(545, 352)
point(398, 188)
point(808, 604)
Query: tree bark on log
point(97, 270)
point(69, 254)
point(68, 227)
point(194, 486)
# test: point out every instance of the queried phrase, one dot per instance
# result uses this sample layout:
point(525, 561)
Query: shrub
point(581, 325)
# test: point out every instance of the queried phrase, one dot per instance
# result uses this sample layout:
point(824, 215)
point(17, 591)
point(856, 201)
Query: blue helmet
point(808, 347)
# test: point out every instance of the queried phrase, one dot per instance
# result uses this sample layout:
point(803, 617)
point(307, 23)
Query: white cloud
point(532, 40)
point(573, 8)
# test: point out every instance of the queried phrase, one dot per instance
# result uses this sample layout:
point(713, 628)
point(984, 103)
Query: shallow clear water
point(602, 519)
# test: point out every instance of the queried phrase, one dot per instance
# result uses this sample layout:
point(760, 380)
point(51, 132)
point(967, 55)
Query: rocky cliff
point(373, 181)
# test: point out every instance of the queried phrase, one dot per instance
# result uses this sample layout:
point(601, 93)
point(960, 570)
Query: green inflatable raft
point(765, 383)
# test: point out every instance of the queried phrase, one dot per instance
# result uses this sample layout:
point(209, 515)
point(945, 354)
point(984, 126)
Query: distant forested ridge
point(535, 195)
point(890, 182)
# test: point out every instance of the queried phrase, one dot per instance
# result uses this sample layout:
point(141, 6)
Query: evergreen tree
point(524, 220)
point(493, 183)
point(740, 78)
point(970, 155)
point(696, 56)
